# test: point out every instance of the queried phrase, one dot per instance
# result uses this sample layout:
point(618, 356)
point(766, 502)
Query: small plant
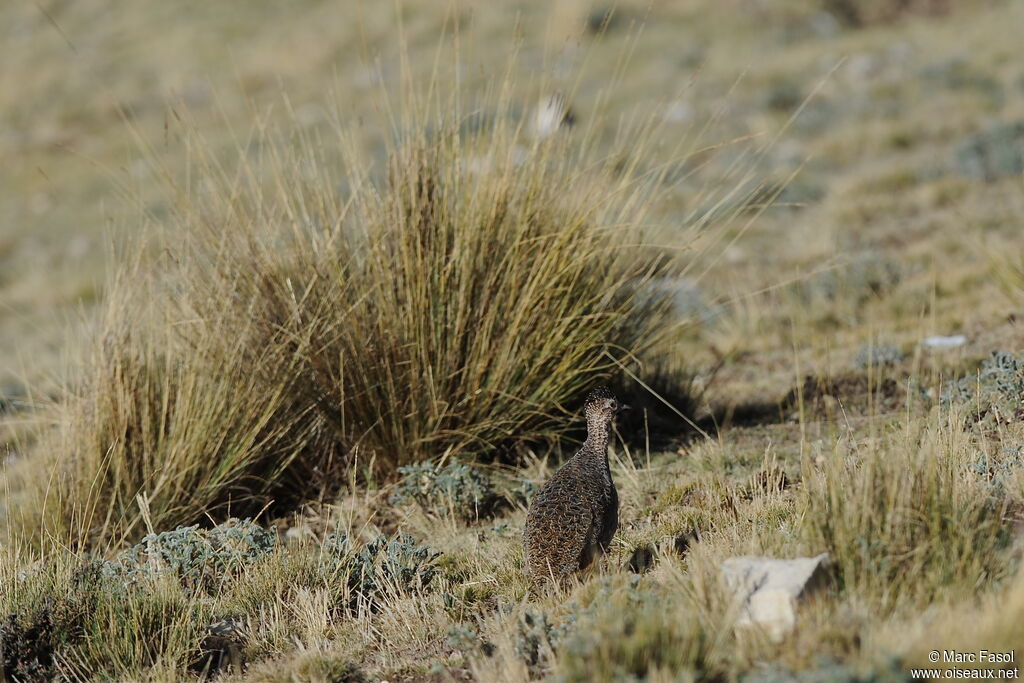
point(997, 392)
point(994, 153)
point(831, 671)
point(784, 95)
point(877, 356)
point(535, 640)
point(525, 492)
point(998, 470)
point(631, 634)
point(194, 556)
point(381, 568)
point(862, 278)
point(958, 73)
point(458, 489)
point(467, 640)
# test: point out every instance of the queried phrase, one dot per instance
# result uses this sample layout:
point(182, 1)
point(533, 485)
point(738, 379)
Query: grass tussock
point(452, 305)
point(906, 516)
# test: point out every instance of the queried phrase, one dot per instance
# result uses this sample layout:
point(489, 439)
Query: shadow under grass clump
point(860, 13)
point(663, 411)
point(27, 647)
point(828, 397)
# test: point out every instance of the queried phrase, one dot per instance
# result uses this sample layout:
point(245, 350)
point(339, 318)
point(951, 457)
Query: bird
point(574, 516)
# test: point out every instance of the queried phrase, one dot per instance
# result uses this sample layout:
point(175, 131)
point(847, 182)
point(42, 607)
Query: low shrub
point(193, 556)
point(995, 394)
point(994, 153)
point(877, 356)
point(382, 569)
point(457, 489)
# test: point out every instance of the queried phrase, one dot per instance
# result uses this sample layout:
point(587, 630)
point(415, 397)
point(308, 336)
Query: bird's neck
point(596, 445)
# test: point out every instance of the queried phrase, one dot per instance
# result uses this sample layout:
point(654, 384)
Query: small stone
point(941, 342)
point(769, 588)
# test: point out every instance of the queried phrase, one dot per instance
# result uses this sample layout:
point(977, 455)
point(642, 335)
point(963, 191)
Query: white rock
point(940, 342)
point(767, 589)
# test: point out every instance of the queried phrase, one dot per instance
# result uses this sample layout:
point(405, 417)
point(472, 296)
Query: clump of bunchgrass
point(905, 519)
point(70, 619)
point(165, 422)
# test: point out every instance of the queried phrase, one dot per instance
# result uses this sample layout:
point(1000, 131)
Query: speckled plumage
point(574, 516)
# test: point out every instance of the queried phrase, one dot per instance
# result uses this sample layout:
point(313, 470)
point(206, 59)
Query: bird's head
point(601, 405)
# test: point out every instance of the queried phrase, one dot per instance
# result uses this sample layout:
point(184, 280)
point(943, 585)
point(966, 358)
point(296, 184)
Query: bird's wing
point(558, 527)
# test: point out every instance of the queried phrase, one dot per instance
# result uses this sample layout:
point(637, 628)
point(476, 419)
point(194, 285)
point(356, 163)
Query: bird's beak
point(624, 406)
